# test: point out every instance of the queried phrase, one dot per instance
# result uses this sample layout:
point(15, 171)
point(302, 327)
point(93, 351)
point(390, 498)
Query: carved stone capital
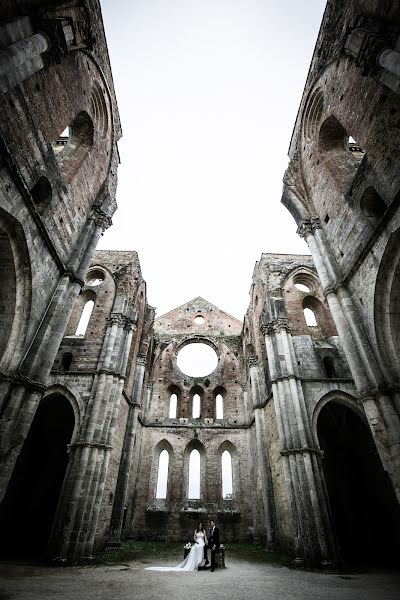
point(150, 385)
point(252, 362)
point(305, 229)
point(244, 387)
point(281, 325)
point(141, 359)
point(267, 328)
point(116, 319)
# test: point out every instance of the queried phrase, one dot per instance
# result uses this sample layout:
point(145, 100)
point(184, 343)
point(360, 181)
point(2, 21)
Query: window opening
point(227, 480)
point(194, 475)
point(329, 367)
point(310, 317)
point(219, 406)
point(196, 406)
point(162, 477)
point(66, 361)
point(85, 317)
point(302, 287)
point(172, 406)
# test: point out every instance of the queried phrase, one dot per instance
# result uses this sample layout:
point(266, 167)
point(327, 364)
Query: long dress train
point(192, 560)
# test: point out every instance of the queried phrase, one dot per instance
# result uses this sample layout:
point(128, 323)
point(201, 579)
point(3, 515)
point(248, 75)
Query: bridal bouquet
point(187, 546)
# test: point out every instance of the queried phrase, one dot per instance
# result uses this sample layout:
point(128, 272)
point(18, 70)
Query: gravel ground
point(240, 580)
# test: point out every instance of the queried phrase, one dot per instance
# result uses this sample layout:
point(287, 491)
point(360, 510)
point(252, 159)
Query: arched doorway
point(364, 508)
point(27, 511)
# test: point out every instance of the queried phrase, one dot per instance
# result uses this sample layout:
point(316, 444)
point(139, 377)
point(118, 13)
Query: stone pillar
point(121, 492)
point(311, 529)
point(75, 524)
point(14, 56)
point(262, 453)
point(376, 395)
point(23, 396)
point(389, 60)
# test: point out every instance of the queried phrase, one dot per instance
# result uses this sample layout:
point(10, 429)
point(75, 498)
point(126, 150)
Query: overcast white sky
point(208, 92)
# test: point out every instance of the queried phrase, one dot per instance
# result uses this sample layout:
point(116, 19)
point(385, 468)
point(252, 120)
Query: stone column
point(121, 492)
point(378, 399)
point(312, 535)
point(389, 60)
point(262, 452)
point(14, 56)
point(23, 396)
point(75, 524)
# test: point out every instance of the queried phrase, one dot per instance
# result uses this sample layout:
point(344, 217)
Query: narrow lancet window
point(172, 406)
point(310, 318)
point(227, 480)
point(85, 317)
point(196, 407)
point(194, 475)
point(219, 407)
point(162, 478)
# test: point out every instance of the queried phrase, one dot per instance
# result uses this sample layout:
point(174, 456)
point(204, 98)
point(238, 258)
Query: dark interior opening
point(329, 367)
point(27, 511)
point(363, 503)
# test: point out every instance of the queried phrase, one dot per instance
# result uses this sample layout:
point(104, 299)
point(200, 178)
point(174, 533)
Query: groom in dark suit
point(213, 543)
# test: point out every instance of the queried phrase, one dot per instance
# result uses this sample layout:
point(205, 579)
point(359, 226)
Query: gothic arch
point(75, 400)
point(15, 291)
point(387, 307)
point(158, 448)
point(231, 448)
point(339, 397)
point(29, 507)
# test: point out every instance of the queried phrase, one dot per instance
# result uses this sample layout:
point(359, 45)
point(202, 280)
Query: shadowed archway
point(28, 508)
point(364, 509)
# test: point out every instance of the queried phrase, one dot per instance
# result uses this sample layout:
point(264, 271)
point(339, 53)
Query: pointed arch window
point(172, 406)
point(194, 475)
point(227, 479)
point(85, 317)
point(196, 406)
point(310, 317)
point(219, 407)
point(162, 476)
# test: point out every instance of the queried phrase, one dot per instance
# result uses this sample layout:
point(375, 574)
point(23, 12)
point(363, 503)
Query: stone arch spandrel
point(387, 308)
point(16, 290)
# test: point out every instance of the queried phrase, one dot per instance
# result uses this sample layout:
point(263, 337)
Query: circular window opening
point(95, 278)
point(199, 320)
point(197, 359)
point(302, 287)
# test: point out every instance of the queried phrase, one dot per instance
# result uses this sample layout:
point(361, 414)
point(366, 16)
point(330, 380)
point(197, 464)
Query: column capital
point(116, 319)
point(281, 324)
point(267, 328)
point(141, 359)
point(305, 229)
point(252, 362)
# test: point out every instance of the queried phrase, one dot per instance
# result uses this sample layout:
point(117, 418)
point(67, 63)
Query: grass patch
point(256, 553)
point(143, 551)
point(152, 552)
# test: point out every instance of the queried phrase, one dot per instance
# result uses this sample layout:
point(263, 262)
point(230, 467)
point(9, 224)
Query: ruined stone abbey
point(303, 406)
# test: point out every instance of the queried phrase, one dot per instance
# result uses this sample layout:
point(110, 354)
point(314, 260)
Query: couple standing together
point(198, 552)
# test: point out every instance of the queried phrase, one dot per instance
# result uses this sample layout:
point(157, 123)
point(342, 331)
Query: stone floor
point(240, 580)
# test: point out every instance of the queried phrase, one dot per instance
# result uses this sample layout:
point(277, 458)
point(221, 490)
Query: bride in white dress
point(195, 556)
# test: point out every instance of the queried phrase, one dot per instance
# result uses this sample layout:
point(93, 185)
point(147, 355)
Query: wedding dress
point(192, 560)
